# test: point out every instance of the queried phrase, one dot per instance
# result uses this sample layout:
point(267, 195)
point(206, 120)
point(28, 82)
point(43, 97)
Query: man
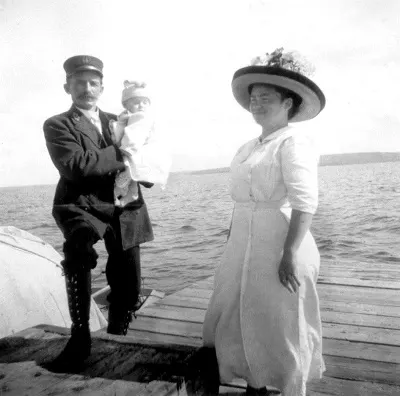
point(80, 146)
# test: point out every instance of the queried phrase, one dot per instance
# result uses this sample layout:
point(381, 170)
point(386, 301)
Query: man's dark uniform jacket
point(88, 163)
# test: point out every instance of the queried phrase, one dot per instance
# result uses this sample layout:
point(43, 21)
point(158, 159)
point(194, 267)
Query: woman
point(263, 317)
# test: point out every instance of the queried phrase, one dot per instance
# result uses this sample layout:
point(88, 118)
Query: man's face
point(85, 89)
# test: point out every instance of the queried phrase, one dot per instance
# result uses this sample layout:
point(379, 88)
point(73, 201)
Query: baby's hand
point(124, 116)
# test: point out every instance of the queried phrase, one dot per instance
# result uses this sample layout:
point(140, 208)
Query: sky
point(187, 51)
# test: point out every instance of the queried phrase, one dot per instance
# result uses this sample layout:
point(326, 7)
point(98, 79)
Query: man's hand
point(114, 140)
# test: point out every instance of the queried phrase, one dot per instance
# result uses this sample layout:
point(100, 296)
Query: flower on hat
point(292, 60)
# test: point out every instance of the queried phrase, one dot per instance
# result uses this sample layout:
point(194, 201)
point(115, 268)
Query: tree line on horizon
point(331, 160)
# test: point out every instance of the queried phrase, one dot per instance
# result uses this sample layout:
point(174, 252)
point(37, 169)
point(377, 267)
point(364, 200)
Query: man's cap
point(80, 63)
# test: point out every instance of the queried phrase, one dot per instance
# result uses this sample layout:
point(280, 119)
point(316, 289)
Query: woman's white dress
point(261, 332)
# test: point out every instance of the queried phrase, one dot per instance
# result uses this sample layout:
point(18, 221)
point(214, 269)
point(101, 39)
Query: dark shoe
point(203, 372)
point(118, 320)
point(72, 358)
point(250, 391)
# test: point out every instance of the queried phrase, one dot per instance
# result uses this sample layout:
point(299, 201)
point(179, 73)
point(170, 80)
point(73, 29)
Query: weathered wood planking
point(337, 280)
point(114, 368)
point(29, 379)
point(196, 315)
point(333, 347)
point(360, 311)
point(334, 306)
point(332, 387)
point(361, 328)
point(328, 292)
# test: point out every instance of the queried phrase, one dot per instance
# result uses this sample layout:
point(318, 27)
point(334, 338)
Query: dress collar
point(283, 131)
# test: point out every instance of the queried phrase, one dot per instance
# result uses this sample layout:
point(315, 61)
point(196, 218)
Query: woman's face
point(137, 104)
point(266, 105)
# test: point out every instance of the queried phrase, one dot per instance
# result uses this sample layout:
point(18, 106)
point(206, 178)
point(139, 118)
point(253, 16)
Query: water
point(358, 221)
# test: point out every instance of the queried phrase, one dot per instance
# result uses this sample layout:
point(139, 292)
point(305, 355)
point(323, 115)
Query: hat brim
point(313, 99)
point(84, 68)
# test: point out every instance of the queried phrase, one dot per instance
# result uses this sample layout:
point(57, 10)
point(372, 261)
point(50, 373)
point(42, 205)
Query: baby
point(145, 160)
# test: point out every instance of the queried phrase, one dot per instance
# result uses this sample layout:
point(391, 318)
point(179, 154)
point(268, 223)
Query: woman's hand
point(288, 272)
point(298, 227)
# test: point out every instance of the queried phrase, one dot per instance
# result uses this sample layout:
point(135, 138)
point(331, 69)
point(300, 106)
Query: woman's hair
point(285, 94)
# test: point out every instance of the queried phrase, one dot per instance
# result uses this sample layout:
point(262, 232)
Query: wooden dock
point(360, 308)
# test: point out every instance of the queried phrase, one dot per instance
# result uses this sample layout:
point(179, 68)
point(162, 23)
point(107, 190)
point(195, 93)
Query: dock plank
point(339, 387)
point(361, 334)
point(183, 314)
point(362, 370)
point(148, 338)
point(336, 306)
point(189, 302)
point(364, 295)
point(197, 315)
point(328, 292)
point(360, 308)
point(339, 279)
point(366, 320)
point(361, 350)
point(362, 275)
point(26, 378)
point(334, 347)
point(167, 326)
point(334, 280)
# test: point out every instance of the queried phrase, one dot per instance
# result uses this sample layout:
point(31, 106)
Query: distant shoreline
point(328, 160)
point(325, 160)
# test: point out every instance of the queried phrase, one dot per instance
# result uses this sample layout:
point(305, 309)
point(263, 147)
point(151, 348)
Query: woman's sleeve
point(299, 161)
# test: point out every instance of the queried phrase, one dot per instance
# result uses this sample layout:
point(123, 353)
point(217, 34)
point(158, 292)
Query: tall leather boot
point(79, 345)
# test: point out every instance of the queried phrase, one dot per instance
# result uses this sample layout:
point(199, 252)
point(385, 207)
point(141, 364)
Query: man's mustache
point(84, 96)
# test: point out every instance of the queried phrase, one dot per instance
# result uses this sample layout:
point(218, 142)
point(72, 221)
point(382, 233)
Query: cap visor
point(86, 68)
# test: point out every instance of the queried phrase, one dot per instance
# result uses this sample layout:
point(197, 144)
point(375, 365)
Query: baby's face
point(137, 104)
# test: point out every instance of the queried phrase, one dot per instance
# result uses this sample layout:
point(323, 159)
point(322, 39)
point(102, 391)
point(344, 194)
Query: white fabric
point(93, 117)
point(261, 332)
point(146, 159)
point(32, 288)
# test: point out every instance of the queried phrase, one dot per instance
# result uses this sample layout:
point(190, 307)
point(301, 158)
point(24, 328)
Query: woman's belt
point(259, 205)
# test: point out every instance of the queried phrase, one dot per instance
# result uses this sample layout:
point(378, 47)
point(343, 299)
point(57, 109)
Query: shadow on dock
point(360, 311)
point(116, 366)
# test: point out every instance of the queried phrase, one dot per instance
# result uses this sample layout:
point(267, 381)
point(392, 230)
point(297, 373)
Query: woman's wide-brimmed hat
point(286, 70)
